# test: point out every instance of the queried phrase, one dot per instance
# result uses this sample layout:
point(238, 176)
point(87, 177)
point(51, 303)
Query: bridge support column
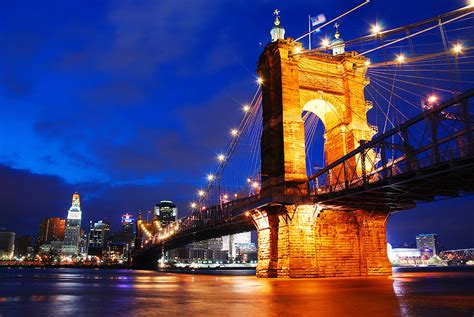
point(300, 241)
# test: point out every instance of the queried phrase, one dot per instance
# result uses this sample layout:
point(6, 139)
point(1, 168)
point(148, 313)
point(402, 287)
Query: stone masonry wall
point(299, 243)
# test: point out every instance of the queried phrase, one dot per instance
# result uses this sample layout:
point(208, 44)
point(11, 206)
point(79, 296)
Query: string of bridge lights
point(222, 158)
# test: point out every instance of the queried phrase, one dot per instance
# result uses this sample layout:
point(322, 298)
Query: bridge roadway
point(436, 169)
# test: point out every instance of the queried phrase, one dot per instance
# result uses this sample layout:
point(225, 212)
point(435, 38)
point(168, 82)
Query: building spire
point(277, 32)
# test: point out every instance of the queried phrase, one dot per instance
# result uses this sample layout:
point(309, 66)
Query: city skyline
point(127, 141)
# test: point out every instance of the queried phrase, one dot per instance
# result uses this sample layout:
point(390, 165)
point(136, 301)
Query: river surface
point(94, 292)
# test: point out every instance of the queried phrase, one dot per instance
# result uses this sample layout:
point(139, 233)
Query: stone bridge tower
point(299, 239)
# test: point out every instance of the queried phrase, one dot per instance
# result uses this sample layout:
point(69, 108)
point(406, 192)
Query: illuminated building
point(72, 233)
point(427, 243)
point(231, 243)
point(98, 236)
point(128, 222)
point(50, 229)
point(166, 212)
point(7, 244)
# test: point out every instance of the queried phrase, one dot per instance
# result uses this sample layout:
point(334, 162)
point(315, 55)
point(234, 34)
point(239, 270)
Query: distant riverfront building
point(7, 244)
point(72, 233)
point(427, 243)
point(166, 212)
point(50, 229)
point(98, 236)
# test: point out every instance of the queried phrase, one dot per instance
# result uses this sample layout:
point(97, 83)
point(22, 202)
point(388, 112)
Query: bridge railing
point(204, 217)
point(439, 135)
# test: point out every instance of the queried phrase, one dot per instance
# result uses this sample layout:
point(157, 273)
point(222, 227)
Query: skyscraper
point(166, 212)
point(73, 227)
point(128, 222)
point(231, 243)
point(50, 229)
point(98, 236)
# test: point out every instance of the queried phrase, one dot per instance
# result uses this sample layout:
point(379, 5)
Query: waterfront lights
point(325, 42)
point(246, 108)
point(260, 80)
point(201, 193)
point(234, 132)
point(457, 48)
point(220, 158)
point(376, 29)
point(400, 58)
point(210, 177)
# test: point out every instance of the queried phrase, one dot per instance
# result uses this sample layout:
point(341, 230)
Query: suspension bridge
point(334, 140)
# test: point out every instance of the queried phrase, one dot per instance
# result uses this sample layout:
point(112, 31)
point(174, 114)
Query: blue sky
point(128, 101)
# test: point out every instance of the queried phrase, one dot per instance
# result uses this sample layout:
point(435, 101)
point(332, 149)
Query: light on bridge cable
point(259, 80)
point(457, 48)
point(234, 132)
point(201, 193)
point(400, 58)
point(220, 158)
point(193, 205)
point(376, 29)
point(210, 177)
point(246, 108)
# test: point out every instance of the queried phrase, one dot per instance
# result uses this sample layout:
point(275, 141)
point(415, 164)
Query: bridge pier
point(301, 241)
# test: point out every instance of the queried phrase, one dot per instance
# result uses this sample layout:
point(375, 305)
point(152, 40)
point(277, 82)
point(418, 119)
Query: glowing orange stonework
point(303, 240)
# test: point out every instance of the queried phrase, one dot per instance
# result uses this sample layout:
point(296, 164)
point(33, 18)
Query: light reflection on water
point(82, 292)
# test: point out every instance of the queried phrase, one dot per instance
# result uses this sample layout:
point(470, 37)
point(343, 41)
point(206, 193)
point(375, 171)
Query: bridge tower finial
point(338, 45)
point(277, 32)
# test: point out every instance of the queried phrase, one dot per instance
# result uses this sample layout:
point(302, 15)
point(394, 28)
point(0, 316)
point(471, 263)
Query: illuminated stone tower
point(297, 238)
point(73, 227)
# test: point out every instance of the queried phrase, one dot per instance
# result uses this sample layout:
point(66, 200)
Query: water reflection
point(139, 293)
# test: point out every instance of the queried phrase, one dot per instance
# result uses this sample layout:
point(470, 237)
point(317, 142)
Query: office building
point(50, 229)
point(166, 212)
point(231, 243)
point(23, 246)
point(7, 245)
point(72, 234)
point(128, 223)
point(98, 236)
point(427, 243)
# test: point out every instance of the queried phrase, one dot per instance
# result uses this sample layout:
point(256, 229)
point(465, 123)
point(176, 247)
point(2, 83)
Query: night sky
point(128, 102)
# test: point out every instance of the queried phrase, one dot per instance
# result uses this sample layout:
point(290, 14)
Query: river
point(94, 292)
